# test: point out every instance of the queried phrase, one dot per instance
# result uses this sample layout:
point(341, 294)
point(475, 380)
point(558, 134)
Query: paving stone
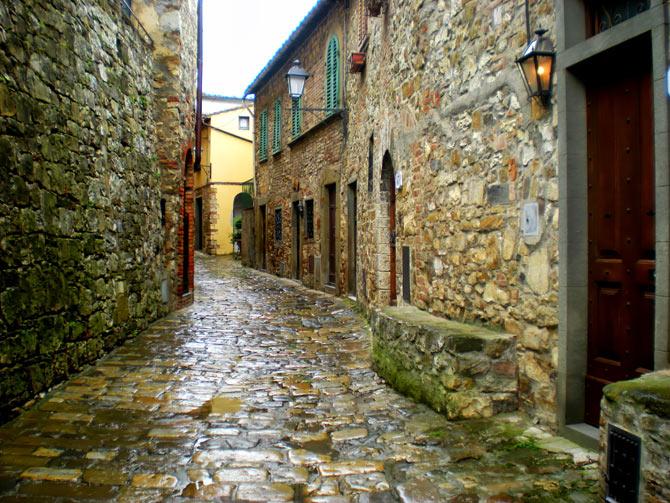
point(44, 452)
point(241, 475)
point(53, 474)
point(154, 480)
point(351, 467)
point(349, 434)
point(104, 476)
point(264, 492)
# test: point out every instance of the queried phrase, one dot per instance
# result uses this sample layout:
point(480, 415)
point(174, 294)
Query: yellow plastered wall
point(227, 162)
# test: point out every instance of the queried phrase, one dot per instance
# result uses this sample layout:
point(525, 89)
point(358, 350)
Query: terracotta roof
point(304, 29)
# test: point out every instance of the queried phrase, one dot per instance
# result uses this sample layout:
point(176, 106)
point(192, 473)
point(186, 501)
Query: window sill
point(316, 127)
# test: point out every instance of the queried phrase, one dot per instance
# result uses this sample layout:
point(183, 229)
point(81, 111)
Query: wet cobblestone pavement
point(262, 391)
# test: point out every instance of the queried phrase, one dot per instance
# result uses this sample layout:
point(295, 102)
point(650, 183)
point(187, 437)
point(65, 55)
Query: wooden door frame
point(574, 50)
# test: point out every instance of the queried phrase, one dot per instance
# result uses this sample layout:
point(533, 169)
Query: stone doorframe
point(574, 48)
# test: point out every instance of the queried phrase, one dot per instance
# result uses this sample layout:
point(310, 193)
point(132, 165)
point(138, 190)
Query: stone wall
point(84, 258)
point(453, 115)
point(641, 407)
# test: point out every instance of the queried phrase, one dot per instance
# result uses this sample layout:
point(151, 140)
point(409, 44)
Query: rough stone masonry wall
point(301, 169)
point(641, 407)
point(172, 25)
point(81, 244)
point(441, 94)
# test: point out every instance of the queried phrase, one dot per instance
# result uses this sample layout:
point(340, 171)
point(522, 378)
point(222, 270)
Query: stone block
point(455, 368)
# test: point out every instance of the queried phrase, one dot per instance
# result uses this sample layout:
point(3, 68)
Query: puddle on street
point(225, 405)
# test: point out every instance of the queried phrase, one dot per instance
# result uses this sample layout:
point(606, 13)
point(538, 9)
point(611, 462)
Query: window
point(309, 219)
point(333, 74)
point(243, 122)
point(278, 224)
point(371, 172)
point(296, 116)
point(163, 210)
point(604, 14)
point(263, 136)
point(276, 129)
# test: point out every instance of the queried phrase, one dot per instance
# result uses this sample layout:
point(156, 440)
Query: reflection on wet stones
point(263, 391)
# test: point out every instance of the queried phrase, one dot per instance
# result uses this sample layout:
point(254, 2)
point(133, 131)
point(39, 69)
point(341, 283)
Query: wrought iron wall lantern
point(537, 67)
point(295, 79)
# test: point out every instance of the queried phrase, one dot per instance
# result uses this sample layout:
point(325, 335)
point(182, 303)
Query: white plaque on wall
point(398, 180)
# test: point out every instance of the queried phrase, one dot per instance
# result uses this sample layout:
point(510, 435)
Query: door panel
point(621, 227)
point(331, 233)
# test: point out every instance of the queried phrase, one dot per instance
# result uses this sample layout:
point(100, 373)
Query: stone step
point(462, 370)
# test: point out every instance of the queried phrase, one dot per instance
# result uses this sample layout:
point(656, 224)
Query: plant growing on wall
point(236, 236)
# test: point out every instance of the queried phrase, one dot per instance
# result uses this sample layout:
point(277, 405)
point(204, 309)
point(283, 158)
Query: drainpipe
point(198, 103)
point(527, 23)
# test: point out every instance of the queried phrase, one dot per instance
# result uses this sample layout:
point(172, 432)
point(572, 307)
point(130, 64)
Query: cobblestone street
point(263, 391)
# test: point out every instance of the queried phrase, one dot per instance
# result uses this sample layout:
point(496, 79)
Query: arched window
point(333, 74)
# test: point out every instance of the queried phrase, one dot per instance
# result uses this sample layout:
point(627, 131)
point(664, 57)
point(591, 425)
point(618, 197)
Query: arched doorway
point(242, 201)
point(387, 215)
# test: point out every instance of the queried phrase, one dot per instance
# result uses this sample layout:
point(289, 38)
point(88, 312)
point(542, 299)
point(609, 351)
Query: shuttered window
point(296, 117)
point(333, 74)
point(276, 129)
point(263, 136)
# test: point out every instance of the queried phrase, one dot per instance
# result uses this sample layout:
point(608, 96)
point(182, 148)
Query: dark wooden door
point(331, 233)
point(621, 226)
point(393, 287)
point(296, 240)
point(263, 236)
point(198, 224)
point(352, 228)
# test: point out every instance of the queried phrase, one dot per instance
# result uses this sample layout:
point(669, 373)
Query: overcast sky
point(240, 37)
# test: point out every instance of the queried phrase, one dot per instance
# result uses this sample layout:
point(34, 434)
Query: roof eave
point(302, 32)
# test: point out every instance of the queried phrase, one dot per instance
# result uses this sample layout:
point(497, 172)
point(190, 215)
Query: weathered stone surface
point(52, 474)
point(642, 408)
point(462, 370)
point(93, 124)
point(154, 480)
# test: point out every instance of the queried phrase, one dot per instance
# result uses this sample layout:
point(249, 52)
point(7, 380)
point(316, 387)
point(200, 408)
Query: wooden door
point(621, 226)
point(352, 228)
point(331, 233)
point(296, 240)
point(198, 224)
point(263, 236)
point(393, 287)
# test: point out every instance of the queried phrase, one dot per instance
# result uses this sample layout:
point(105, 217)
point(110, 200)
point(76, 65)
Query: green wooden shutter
point(333, 74)
point(296, 116)
point(263, 137)
point(276, 130)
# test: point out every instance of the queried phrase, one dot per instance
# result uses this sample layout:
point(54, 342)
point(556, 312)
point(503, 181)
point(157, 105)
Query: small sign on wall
point(530, 220)
point(398, 180)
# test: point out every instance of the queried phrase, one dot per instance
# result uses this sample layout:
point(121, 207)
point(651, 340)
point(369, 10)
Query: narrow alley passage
point(263, 391)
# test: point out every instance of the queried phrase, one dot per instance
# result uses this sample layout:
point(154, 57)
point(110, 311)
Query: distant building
point(213, 103)
point(224, 185)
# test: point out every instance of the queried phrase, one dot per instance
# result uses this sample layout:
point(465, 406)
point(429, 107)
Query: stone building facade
point(96, 122)
point(435, 164)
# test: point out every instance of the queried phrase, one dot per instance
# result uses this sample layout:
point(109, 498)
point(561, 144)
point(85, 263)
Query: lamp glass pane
point(296, 85)
point(530, 74)
point(544, 71)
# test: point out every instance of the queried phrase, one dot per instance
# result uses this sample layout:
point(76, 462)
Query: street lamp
point(536, 65)
point(295, 78)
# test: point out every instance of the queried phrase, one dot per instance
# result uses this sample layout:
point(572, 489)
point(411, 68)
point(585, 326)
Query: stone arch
point(242, 201)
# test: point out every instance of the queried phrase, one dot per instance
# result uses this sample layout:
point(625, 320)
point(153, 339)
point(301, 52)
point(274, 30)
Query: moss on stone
point(651, 391)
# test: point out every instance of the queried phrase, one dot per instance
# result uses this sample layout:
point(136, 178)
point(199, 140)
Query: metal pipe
point(198, 103)
point(528, 21)
point(128, 8)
